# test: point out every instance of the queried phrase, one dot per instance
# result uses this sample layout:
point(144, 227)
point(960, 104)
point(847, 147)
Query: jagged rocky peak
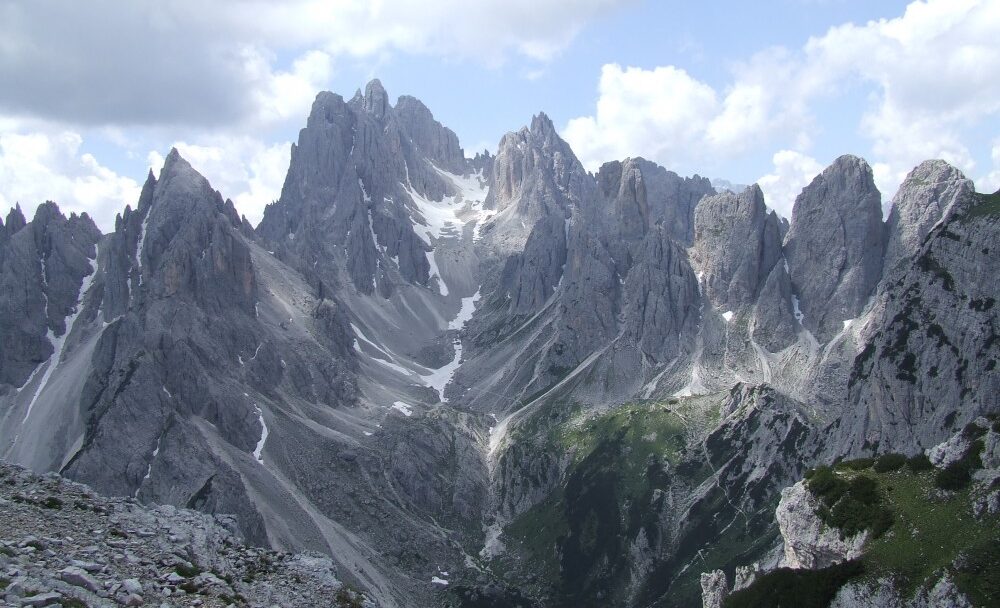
point(639, 194)
point(531, 165)
point(736, 245)
point(376, 100)
point(622, 183)
point(437, 142)
point(186, 240)
point(926, 195)
point(45, 263)
point(15, 219)
point(835, 245)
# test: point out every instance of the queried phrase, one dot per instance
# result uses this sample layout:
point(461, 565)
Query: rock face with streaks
point(929, 361)
point(835, 245)
point(43, 264)
point(437, 369)
point(737, 245)
point(808, 542)
point(925, 196)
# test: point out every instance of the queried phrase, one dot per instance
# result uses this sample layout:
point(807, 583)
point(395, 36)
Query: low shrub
point(52, 502)
point(919, 462)
point(785, 587)
point(953, 477)
point(858, 464)
point(825, 485)
point(958, 474)
point(850, 506)
point(889, 462)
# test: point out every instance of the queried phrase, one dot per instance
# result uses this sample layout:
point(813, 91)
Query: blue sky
point(767, 92)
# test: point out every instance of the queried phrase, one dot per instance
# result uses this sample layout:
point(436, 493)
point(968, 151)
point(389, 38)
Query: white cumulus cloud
point(930, 75)
point(792, 172)
point(241, 168)
point(39, 166)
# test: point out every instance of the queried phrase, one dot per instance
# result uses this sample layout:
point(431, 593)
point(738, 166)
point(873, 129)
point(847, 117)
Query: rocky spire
point(376, 100)
point(15, 219)
point(435, 141)
point(835, 245)
point(924, 197)
point(736, 246)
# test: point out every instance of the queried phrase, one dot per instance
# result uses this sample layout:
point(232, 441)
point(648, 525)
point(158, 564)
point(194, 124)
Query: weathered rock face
point(714, 589)
point(736, 246)
point(345, 212)
point(642, 193)
point(835, 245)
point(808, 542)
point(43, 265)
point(418, 338)
point(929, 361)
point(434, 141)
point(925, 196)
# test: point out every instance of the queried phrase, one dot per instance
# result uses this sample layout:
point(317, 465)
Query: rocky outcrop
point(61, 543)
point(641, 194)
point(925, 196)
point(353, 179)
point(736, 246)
point(835, 245)
point(434, 141)
point(808, 542)
point(44, 264)
point(714, 589)
point(928, 364)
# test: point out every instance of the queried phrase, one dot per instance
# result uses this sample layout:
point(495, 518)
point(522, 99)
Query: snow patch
point(403, 408)
point(796, 310)
point(435, 272)
point(728, 316)
point(149, 467)
point(138, 247)
point(441, 377)
point(439, 581)
point(59, 342)
point(263, 435)
point(465, 312)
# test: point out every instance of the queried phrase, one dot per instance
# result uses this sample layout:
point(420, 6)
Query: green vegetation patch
point(851, 504)
point(958, 475)
point(644, 428)
point(890, 462)
point(618, 462)
point(930, 531)
point(538, 532)
point(785, 587)
point(987, 205)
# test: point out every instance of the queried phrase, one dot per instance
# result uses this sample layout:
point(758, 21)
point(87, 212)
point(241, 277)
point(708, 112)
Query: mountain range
point(500, 380)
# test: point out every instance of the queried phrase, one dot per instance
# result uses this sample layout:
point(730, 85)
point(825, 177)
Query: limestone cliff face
point(808, 542)
point(43, 266)
point(925, 196)
point(408, 331)
point(347, 207)
point(835, 245)
point(930, 353)
point(736, 246)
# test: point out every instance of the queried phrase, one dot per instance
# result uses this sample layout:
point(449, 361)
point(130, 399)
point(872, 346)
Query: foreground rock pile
point(63, 545)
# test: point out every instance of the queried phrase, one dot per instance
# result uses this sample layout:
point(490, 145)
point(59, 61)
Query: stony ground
point(63, 545)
